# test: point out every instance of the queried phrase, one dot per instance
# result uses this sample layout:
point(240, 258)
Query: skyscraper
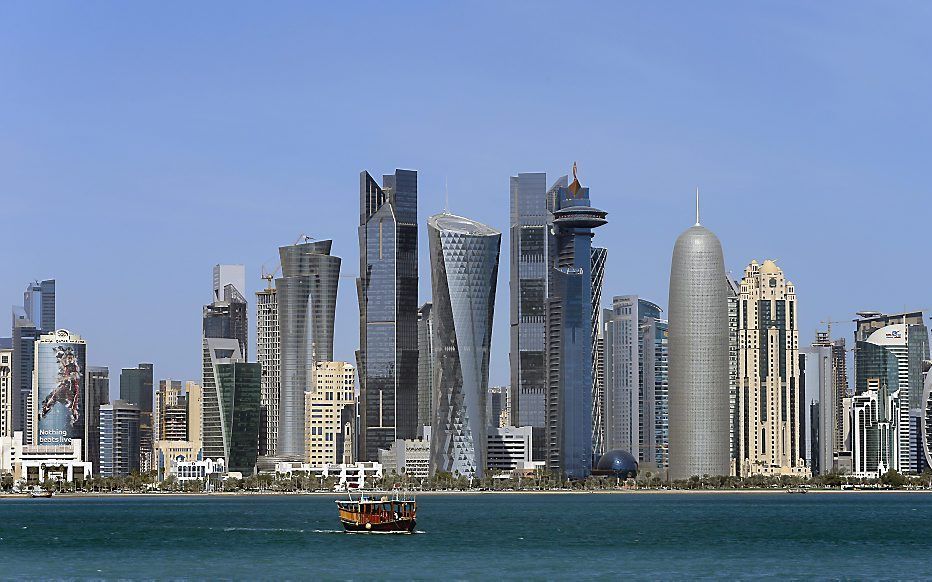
point(387, 288)
point(39, 304)
point(891, 349)
point(599, 257)
point(826, 385)
point(238, 387)
point(59, 391)
point(770, 403)
point(268, 354)
point(307, 299)
point(528, 296)
point(98, 394)
point(119, 439)
point(636, 383)
point(328, 407)
point(698, 345)
point(214, 424)
point(569, 332)
point(227, 318)
point(36, 317)
point(425, 367)
point(170, 414)
point(464, 273)
point(224, 275)
point(137, 387)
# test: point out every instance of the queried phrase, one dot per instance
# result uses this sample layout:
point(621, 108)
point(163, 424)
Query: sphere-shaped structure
point(617, 463)
point(698, 348)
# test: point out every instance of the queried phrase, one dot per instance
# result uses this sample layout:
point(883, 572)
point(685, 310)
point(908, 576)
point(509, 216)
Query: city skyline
point(742, 136)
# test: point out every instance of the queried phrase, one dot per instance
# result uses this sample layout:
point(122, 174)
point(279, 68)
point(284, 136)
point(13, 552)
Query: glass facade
point(528, 275)
point(136, 386)
point(98, 394)
point(464, 272)
point(119, 439)
point(307, 299)
point(904, 339)
point(569, 333)
point(388, 311)
point(239, 386)
point(425, 367)
point(214, 427)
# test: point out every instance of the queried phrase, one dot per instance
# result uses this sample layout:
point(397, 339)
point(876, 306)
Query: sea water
point(479, 537)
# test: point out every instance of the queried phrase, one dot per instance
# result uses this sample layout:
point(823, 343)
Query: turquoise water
point(861, 535)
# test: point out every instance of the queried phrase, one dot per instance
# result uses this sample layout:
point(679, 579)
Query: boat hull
point(401, 526)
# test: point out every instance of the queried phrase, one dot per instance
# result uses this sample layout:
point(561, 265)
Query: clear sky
point(142, 144)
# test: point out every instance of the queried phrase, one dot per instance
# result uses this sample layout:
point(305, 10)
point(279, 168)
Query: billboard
point(60, 389)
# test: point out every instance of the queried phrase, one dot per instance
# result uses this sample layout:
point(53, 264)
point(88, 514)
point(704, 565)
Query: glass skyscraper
point(387, 361)
point(570, 361)
point(464, 273)
point(136, 387)
point(239, 387)
point(636, 382)
point(528, 295)
point(425, 366)
point(36, 317)
point(119, 439)
point(98, 394)
point(307, 300)
point(891, 349)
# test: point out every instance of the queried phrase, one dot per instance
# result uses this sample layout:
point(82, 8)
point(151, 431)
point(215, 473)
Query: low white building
point(197, 470)
point(408, 456)
point(36, 463)
point(352, 476)
point(509, 448)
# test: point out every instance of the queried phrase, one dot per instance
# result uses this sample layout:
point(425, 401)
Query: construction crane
point(828, 323)
point(269, 276)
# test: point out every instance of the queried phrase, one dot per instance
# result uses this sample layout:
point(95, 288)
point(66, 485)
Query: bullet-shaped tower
point(698, 364)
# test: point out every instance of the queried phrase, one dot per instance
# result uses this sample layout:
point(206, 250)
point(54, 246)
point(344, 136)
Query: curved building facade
point(464, 271)
point(698, 362)
point(307, 300)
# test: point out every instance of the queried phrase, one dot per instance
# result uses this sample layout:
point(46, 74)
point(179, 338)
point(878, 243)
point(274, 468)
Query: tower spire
point(697, 205)
point(446, 193)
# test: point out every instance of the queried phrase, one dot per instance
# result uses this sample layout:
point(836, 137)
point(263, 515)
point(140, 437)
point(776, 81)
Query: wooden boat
point(378, 514)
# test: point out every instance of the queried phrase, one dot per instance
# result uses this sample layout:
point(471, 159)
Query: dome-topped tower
point(698, 348)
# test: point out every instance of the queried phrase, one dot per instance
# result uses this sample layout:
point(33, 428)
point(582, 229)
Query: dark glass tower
point(529, 223)
point(136, 387)
point(98, 394)
point(239, 386)
point(569, 332)
point(226, 318)
point(35, 318)
point(387, 288)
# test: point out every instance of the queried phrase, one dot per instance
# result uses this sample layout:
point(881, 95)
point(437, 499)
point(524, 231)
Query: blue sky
point(142, 144)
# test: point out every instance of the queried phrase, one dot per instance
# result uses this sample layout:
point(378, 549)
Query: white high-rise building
point(229, 275)
point(770, 400)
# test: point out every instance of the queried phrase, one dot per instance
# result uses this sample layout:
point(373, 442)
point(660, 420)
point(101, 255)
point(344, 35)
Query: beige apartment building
point(328, 415)
point(769, 402)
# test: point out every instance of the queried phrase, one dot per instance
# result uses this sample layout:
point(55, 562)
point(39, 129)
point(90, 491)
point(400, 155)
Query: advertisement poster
point(60, 392)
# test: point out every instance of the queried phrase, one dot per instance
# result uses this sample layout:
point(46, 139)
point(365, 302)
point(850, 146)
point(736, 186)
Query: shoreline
point(699, 492)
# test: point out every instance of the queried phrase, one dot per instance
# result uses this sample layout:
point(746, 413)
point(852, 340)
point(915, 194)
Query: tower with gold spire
point(573, 418)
